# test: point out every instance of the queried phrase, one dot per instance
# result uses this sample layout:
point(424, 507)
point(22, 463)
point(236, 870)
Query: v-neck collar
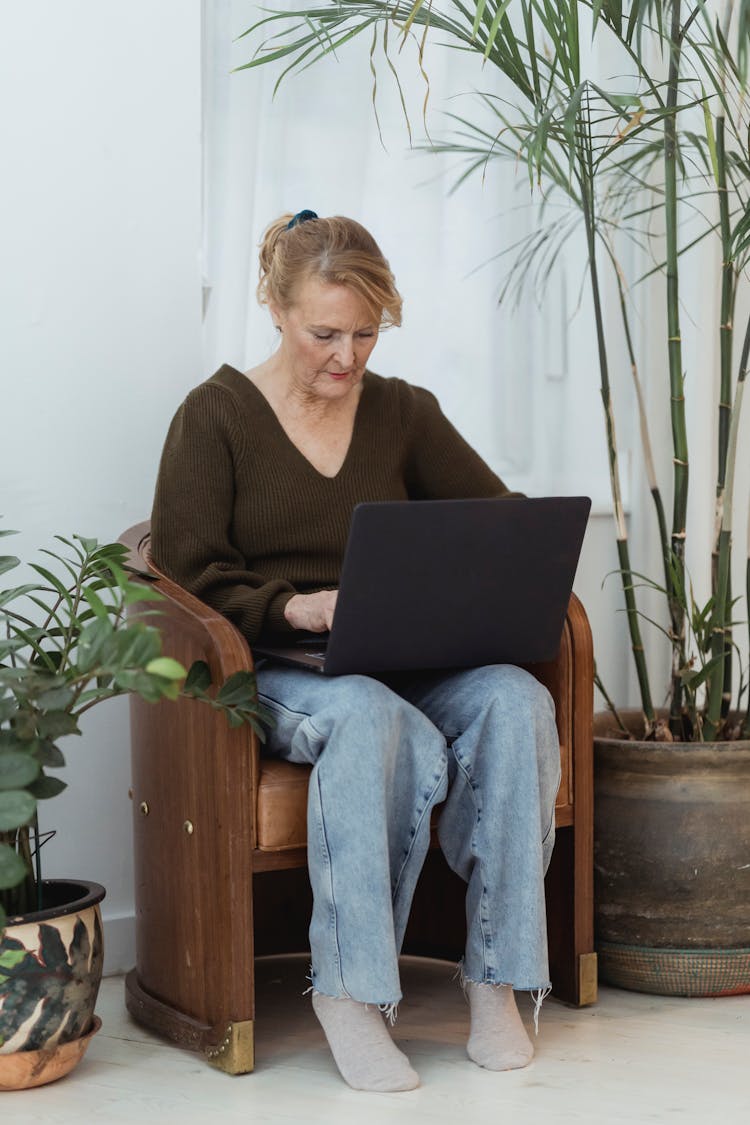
point(254, 393)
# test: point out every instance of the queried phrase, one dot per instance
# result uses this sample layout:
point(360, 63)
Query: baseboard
point(119, 943)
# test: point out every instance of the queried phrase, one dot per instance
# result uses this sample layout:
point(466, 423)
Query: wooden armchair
point(220, 856)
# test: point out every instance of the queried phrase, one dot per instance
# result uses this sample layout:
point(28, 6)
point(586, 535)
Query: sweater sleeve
point(193, 513)
point(440, 464)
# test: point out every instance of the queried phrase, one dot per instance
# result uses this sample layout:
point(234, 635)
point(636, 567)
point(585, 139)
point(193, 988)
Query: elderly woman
point(260, 473)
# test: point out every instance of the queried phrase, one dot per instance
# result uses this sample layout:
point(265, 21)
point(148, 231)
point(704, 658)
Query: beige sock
point(364, 1052)
point(498, 1039)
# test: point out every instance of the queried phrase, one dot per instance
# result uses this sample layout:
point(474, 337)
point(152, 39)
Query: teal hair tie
point(301, 217)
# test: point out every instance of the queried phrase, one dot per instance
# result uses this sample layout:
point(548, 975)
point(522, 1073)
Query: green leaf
point(55, 724)
point(16, 808)
point(694, 679)
point(12, 869)
point(54, 582)
point(10, 740)
point(8, 562)
point(17, 592)
point(150, 688)
point(9, 645)
point(55, 699)
point(8, 708)
point(481, 4)
point(710, 137)
point(140, 592)
point(96, 603)
point(410, 18)
point(239, 688)
point(198, 677)
point(92, 643)
point(12, 675)
point(40, 682)
point(17, 770)
point(494, 26)
point(89, 545)
point(47, 754)
point(167, 667)
point(133, 647)
point(46, 787)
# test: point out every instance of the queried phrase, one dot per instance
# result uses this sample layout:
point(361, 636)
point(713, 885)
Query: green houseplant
point(82, 631)
point(656, 156)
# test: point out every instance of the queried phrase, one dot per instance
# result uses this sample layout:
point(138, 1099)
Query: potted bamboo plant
point(627, 156)
point(82, 631)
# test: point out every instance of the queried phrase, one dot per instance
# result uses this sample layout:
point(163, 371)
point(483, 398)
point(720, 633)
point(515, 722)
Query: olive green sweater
point(243, 520)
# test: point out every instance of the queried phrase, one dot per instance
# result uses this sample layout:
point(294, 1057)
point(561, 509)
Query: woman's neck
point(292, 399)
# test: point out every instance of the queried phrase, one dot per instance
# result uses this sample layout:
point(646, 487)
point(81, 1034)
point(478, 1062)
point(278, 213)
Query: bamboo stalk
point(674, 348)
point(623, 552)
point(648, 455)
point(716, 685)
point(726, 336)
point(745, 733)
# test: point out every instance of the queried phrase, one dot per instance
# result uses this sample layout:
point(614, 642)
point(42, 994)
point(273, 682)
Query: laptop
point(448, 584)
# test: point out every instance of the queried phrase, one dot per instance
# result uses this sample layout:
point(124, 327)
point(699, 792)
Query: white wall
point(100, 201)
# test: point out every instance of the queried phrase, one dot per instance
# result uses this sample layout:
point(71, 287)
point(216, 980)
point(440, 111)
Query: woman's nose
point(345, 352)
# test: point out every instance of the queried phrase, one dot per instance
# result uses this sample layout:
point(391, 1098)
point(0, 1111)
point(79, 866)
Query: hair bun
point(301, 217)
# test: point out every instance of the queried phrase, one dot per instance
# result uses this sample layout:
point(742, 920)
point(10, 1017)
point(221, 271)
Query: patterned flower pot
point(50, 971)
point(672, 863)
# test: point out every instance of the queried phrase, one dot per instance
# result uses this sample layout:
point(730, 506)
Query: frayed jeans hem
point(389, 1011)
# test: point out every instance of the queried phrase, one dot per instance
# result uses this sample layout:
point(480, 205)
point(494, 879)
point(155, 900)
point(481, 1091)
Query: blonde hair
point(339, 251)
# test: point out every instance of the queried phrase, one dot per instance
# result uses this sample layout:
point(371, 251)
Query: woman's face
point(327, 336)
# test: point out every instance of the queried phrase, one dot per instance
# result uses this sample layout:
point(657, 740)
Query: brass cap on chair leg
point(235, 1051)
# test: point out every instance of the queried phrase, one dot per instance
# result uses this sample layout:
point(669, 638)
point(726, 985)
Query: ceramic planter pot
point(672, 863)
point(50, 971)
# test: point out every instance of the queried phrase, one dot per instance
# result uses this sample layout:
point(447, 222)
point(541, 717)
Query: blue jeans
point(384, 754)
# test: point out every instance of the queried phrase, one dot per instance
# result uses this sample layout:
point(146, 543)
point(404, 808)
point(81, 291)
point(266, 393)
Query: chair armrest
point(194, 784)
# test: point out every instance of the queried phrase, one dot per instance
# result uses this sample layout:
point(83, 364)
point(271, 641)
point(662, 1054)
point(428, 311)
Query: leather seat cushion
point(282, 805)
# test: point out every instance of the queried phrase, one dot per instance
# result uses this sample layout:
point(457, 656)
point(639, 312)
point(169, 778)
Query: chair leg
point(229, 1047)
point(235, 1052)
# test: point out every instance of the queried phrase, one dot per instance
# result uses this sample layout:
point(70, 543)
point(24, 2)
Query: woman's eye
point(323, 336)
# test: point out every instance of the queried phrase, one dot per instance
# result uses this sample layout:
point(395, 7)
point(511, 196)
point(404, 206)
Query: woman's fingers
point(313, 612)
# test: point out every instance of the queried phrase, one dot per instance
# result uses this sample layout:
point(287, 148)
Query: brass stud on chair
point(143, 808)
point(189, 827)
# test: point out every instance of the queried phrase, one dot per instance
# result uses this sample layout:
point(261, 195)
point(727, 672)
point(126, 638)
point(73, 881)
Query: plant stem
point(726, 336)
point(38, 864)
point(623, 553)
point(674, 346)
point(716, 685)
point(26, 888)
point(745, 733)
point(648, 455)
point(610, 705)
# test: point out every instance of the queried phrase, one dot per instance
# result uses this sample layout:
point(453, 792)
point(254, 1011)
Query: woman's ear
point(276, 315)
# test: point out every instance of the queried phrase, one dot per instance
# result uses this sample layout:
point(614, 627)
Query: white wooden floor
point(632, 1058)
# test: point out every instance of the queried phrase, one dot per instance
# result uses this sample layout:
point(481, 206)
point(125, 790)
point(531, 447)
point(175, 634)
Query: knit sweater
point(244, 521)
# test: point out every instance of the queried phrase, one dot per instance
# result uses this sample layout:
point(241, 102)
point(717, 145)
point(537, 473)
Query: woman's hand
point(311, 611)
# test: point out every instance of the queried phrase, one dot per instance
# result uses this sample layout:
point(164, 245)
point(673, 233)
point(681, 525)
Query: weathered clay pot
point(50, 970)
point(672, 863)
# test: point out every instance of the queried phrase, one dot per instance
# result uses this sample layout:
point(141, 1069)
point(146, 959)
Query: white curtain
point(509, 378)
